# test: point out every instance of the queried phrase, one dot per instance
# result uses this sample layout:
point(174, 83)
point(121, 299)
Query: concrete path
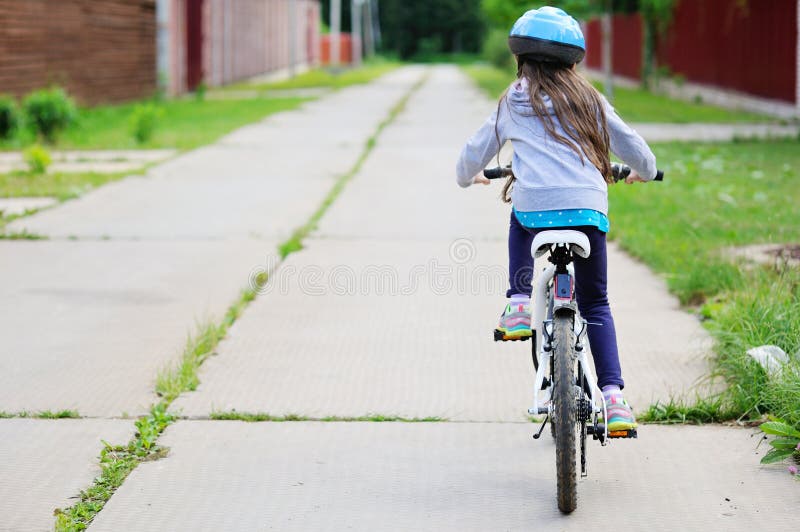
point(261, 181)
point(389, 311)
point(90, 317)
point(43, 463)
point(19, 206)
point(403, 228)
point(713, 132)
point(443, 476)
point(87, 326)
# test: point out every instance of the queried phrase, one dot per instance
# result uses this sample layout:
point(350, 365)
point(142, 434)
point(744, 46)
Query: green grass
point(326, 78)
point(44, 414)
point(60, 185)
point(633, 105)
point(715, 197)
point(185, 124)
point(18, 235)
point(703, 410)
point(182, 377)
point(371, 418)
point(58, 414)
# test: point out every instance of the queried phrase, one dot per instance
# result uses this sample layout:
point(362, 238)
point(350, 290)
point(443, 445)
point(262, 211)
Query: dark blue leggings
point(590, 288)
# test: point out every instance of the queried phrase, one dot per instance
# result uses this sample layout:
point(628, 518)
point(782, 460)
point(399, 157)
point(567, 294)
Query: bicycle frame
point(542, 316)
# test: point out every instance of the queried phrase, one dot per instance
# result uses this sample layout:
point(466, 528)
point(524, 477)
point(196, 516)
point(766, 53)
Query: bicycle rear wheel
point(565, 414)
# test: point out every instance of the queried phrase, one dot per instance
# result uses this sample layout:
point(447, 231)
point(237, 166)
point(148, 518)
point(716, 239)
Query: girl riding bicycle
point(561, 130)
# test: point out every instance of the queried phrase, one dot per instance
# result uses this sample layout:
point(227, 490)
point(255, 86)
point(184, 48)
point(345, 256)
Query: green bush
point(496, 52)
point(200, 91)
point(38, 159)
point(48, 111)
point(429, 46)
point(9, 117)
point(144, 121)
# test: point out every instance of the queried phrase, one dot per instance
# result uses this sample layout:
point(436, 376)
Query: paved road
point(90, 317)
point(387, 311)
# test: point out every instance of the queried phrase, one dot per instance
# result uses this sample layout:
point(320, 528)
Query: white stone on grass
point(771, 357)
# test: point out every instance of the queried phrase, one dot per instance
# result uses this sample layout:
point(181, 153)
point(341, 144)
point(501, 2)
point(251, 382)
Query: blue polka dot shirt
point(563, 218)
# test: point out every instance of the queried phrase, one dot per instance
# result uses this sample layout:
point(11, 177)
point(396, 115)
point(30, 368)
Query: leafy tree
point(423, 28)
point(656, 18)
point(326, 14)
point(505, 12)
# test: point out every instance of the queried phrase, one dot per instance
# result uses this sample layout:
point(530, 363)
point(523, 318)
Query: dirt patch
point(778, 255)
point(790, 252)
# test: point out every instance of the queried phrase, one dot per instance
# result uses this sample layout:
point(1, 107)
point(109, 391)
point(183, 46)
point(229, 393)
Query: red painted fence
point(749, 47)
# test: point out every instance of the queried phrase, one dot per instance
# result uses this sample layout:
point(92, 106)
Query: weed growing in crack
point(369, 418)
point(116, 462)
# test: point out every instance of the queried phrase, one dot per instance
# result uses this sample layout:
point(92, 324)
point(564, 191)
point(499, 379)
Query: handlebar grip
point(620, 171)
point(493, 173)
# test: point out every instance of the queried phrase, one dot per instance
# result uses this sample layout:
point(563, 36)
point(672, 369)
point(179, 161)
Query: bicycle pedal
point(629, 433)
point(500, 336)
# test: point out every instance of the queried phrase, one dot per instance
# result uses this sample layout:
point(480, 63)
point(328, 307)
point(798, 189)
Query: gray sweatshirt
point(550, 176)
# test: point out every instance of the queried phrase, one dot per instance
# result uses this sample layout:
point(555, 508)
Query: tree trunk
point(648, 52)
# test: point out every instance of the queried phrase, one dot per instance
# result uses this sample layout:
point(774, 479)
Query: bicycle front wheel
point(565, 414)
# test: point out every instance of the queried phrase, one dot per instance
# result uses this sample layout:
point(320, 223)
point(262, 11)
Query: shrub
point(38, 159)
point(428, 47)
point(495, 50)
point(9, 117)
point(144, 120)
point(200, 91)
point(48, 111)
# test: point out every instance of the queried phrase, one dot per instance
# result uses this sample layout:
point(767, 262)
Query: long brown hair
point(577, 106)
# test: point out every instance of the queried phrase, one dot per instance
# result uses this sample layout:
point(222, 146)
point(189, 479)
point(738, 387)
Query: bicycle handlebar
point(497, 173)
point(618, 171)
point(621, 171)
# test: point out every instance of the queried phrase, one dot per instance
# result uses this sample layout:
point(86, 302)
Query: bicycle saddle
point(579, 242)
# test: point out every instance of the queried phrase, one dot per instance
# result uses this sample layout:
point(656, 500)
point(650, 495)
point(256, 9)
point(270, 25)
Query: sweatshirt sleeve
point(629, 146)
point(478, 152)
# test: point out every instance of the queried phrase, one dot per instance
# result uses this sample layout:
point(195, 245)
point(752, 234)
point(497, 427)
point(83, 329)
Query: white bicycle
point(565, 391)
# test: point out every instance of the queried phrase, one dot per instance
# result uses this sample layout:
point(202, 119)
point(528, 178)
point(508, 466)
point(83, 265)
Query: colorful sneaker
point(620, 415)
point(515, 323)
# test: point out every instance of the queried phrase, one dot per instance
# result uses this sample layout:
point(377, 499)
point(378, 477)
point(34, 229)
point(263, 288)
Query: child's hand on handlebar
point(479, 179)
point(633, 177)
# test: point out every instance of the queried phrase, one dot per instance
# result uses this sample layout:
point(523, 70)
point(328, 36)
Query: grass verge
point(116, 462)
point(372, 418)
point(185, 124)
point(717, 197)
point(325, 78)
point(634, 105)
point(63, 186)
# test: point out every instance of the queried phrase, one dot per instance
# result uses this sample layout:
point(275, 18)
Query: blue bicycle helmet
point(548, 34)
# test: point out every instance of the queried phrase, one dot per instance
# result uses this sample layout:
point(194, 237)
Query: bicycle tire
point(565, 412)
